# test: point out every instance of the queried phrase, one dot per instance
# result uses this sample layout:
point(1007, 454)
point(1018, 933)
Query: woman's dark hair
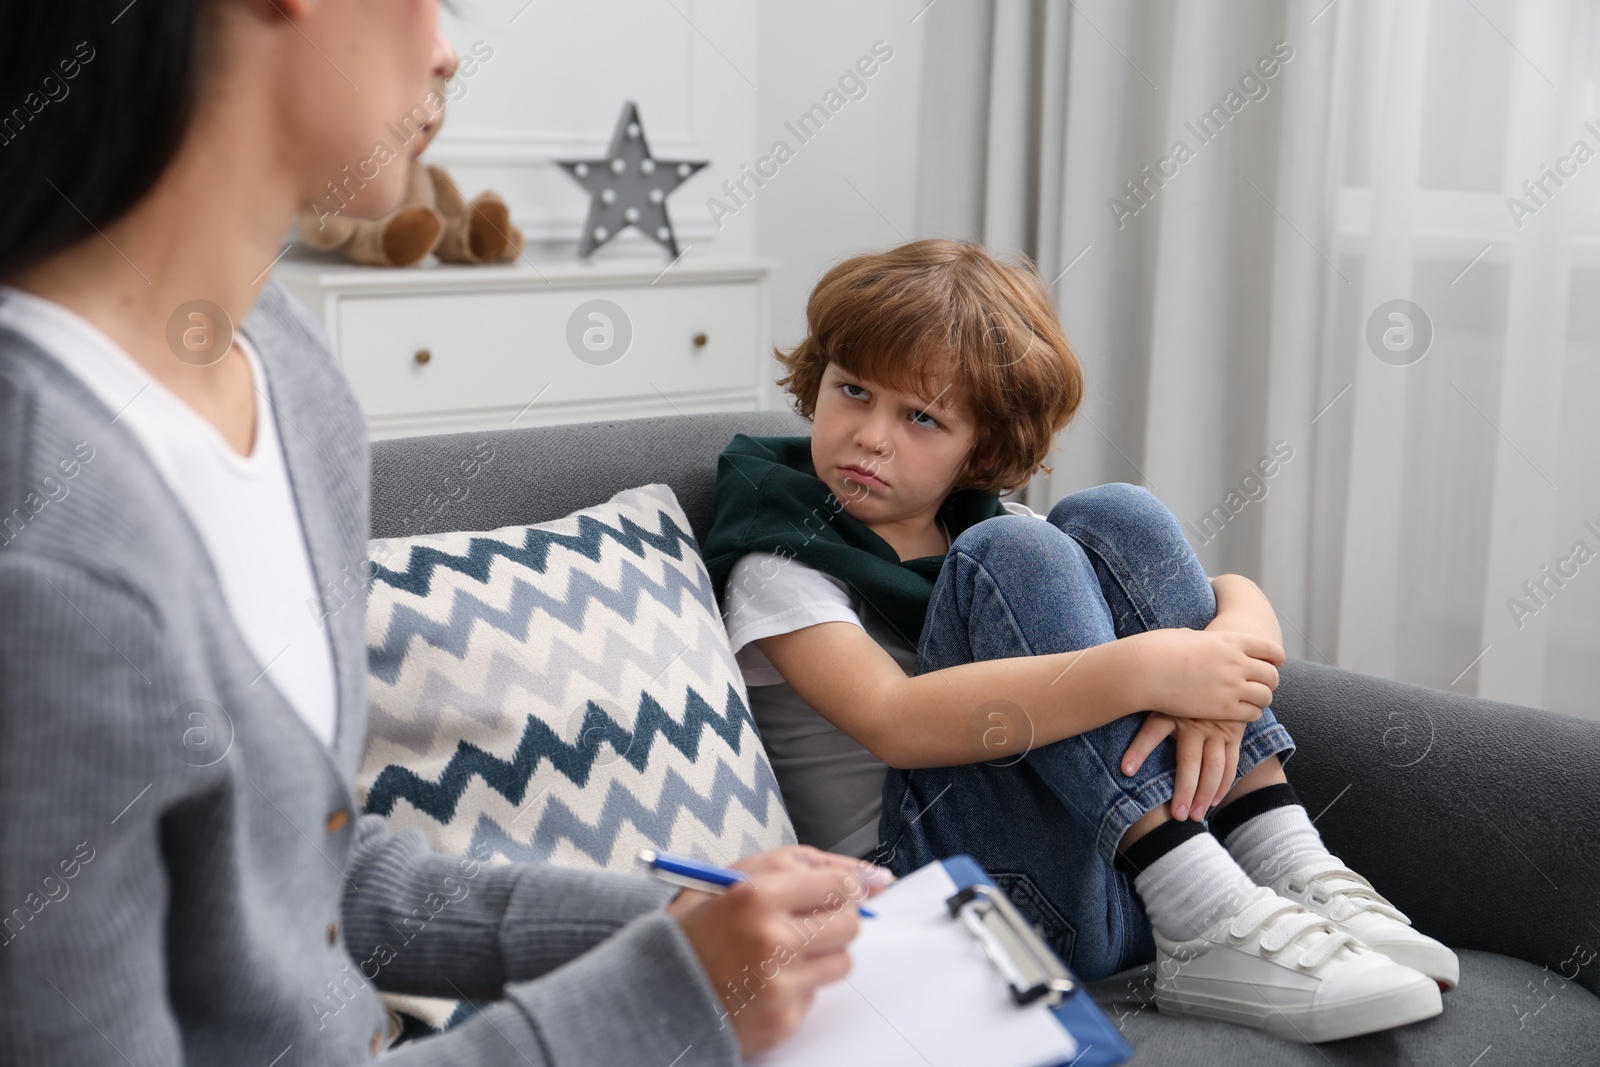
point(94, 101)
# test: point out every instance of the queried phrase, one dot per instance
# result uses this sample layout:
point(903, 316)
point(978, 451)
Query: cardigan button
point(333, 933)
point(337, 821)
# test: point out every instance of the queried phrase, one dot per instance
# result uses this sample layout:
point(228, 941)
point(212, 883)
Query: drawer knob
point(423, 355)
point(700, 340)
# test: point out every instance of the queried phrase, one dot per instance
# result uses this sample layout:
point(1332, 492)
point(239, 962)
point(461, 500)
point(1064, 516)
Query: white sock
point(1275, 842)
point(1189, 888)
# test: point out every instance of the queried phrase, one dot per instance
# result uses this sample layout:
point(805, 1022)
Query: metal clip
point(1029, 966)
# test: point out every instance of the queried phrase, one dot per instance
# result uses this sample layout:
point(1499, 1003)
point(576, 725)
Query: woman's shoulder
point(75, 487)
point(79, 487)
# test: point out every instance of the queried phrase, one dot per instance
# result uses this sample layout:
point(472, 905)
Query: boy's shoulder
point(748, 442)
point(786, 449)
point(770, 580)
point(775, 565)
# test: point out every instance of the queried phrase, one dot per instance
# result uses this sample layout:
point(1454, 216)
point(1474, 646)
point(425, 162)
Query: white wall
point(713, 79)
point(851, 187)
point(559, 75)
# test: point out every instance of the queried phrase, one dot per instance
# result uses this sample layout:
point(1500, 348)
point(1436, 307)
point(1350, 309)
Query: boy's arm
point(955, 716)
point(1243, 607)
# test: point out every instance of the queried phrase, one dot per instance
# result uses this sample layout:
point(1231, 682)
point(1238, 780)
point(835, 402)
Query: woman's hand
point(790, 858)
point(1220, 675)
point(1207, 756)
point(800, 857)
point(769, 943)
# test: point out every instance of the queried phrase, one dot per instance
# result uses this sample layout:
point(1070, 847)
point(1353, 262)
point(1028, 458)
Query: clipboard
point(951, 974)
point(1031, 969)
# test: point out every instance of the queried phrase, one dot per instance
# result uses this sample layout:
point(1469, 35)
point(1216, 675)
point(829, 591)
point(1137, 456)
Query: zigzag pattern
point(527, 602)
point(417, 578)
point(500, 674)
point(481, 642)
point(510, 778)
point(620, 809)
point(690, 637)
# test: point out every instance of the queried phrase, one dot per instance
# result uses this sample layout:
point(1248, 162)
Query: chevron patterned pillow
point(561, 693)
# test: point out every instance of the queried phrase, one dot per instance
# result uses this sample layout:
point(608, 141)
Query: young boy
point(1067, 697)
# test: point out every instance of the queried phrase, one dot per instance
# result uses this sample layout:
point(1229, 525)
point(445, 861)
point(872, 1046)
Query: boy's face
point(888, 455)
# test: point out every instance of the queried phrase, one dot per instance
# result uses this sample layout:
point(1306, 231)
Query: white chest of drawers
point(442, 349)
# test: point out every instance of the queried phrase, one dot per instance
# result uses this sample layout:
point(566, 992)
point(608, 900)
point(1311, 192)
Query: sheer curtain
point(1333, 270)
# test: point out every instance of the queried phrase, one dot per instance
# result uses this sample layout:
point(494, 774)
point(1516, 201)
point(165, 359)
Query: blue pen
point(692, 874)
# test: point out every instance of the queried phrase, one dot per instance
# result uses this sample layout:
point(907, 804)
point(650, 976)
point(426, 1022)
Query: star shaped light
point(629, 187)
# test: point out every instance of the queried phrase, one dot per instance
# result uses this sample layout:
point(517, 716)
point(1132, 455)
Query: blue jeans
point(1110, 562)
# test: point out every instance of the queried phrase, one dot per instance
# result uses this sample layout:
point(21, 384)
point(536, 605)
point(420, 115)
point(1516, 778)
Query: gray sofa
point(1478, 819)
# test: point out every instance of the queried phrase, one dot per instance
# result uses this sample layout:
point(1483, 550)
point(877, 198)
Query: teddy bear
point(433, 217)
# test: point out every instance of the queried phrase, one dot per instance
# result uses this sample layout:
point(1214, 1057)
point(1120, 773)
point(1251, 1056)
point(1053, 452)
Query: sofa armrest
point(1480, 820)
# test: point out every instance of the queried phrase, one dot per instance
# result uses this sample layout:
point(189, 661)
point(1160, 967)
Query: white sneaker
point(1329, 888)
point(1271, 964)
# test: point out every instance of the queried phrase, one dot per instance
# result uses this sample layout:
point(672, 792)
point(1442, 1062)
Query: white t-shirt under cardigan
point(242, 506)
point(832, 786)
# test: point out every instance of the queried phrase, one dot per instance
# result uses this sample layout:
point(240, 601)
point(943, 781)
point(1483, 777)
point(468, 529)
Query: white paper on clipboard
point(921, 992)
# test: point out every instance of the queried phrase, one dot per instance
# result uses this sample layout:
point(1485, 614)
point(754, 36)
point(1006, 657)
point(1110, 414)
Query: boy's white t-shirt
point(242, 506)
point(832, 786)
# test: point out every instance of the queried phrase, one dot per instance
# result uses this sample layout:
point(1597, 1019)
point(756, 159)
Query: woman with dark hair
point(183, 875)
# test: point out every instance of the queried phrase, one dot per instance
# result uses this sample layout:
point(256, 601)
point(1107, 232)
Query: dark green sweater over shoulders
point(769, 499)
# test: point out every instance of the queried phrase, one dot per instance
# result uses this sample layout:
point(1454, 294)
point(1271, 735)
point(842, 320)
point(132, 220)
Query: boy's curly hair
point(938, 313)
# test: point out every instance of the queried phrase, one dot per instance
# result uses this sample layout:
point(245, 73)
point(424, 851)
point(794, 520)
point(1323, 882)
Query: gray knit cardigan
point(184, 873)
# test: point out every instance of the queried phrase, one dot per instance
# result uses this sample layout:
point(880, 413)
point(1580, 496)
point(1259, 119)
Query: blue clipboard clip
point(1030, 968)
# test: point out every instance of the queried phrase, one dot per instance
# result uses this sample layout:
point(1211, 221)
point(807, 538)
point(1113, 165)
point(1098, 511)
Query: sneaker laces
point(1338, 881)
point(1287, 922)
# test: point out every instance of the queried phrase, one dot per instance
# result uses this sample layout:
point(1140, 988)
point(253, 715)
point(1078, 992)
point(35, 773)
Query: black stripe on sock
point(1235, 813)
point(1157, 843)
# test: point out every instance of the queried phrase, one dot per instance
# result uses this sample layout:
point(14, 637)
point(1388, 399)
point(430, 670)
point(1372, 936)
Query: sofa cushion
point(562, 693)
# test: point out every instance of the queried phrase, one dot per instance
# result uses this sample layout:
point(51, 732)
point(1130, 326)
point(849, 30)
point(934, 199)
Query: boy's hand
point(1207, 756)
point(1244, 622)
point(1217, 674)
point(769, 943)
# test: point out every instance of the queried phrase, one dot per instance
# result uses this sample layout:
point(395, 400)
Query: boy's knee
point(1123, 499)
point(1129, 493)
point(1008, 529)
